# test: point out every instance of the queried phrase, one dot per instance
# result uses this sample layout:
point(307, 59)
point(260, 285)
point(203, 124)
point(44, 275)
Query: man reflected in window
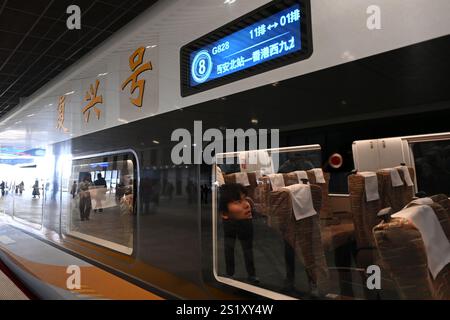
point(85, 198)
point(236, 213)
point(100, 192)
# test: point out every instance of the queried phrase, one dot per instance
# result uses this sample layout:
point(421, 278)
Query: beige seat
point(304, 235)
point(403, 255)
point(290, 179)
point(364, 213)
point(443, 200)
point(335, 234)
point(395, 197)
point(325, 211)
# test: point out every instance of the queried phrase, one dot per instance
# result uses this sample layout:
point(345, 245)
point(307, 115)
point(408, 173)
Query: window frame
point(413, 140)
point(99, 241)
point(231, 282)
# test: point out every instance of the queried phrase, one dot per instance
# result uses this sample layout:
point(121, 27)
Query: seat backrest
point(304, 235)
point(443, 217)
point(364, 213)
point(403, 254)
point(325, 211)
point(395, 197)
point(443, 200)
point(290, 179)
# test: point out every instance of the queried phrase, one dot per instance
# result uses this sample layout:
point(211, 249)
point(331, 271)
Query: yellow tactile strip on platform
point(8, 290)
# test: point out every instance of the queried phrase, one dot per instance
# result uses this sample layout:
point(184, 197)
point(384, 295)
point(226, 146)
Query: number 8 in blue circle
point(201, 66)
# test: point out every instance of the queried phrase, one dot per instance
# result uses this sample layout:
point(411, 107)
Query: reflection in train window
point(432, 163)
point(276, 233)
point(29, 191)
point(102, 195)
point(270, 243)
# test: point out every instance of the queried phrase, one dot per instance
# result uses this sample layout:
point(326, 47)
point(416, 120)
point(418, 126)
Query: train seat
point(322, 179)
point(443, 200)
point(335, 233)
point(396, 189)
point(364, 212)
point(303, 236)
point(403, 254)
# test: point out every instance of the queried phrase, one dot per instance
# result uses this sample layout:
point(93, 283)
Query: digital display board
point(269, 37)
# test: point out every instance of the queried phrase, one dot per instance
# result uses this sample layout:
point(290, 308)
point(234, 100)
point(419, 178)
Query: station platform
point(53, 274)
point(9, 290)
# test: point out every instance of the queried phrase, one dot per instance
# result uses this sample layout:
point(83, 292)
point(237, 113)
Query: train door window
point(432, 163)
point(102, 205)
point(7, 187)
point(273, 229)
point(29, 201)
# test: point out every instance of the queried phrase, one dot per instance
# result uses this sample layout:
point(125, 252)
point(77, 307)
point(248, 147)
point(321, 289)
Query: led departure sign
point(280, 35)
point(269, 39)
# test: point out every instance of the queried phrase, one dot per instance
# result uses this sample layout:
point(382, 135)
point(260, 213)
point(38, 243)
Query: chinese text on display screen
point(271, 38)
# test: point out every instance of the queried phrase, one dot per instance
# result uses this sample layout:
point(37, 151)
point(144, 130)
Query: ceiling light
point(254, 121)
point(102, 74)
point(155, 141)
point(30, 115)
point(69, 93)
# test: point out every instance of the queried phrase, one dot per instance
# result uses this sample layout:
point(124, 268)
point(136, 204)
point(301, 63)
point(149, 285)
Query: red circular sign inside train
point(336, 161)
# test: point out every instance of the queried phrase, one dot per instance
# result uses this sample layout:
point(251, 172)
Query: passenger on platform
point(170, 189)
point(21, 187)
point(190, 190)
point(146, 187)
point(100, 192)
point(2, 188)
point(237, 216)
point(36, 190)
point(203, 194)
point(85, 198)
point(120, 191)
point(73, 190)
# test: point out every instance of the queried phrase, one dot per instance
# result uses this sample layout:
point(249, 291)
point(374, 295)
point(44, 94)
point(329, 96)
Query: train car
point(122, 166)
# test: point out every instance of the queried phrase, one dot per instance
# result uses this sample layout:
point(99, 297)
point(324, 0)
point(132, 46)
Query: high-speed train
point(348, 102)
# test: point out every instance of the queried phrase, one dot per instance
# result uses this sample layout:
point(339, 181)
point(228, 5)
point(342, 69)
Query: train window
point(274, 232)
point(432, 163)
point(33, 189)
point(101, 200)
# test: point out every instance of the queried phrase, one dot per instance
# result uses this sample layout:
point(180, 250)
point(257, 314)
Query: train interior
point(331, 250)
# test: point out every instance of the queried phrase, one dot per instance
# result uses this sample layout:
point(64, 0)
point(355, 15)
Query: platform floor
point(8, 290)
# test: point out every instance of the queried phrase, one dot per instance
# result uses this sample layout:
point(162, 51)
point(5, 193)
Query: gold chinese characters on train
point(61, 112)
point(92, 99)
point(135, 61)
